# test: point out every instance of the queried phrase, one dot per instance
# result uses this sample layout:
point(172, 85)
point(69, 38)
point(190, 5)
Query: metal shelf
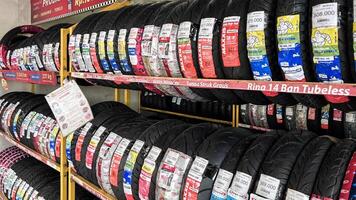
point(31, 152)
point(338, 89)
point(101, 194)
point(254, 127)
point(33, 77)
point(187, 116)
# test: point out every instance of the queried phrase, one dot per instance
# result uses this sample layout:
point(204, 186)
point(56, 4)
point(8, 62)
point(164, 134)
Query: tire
point(228, 168)
point(295, 10)
point(252, 160)
point(186, 145)
point(329, 181)
point(163, 143)
point(350, 125)
point(211, 67)
point(280, 161)
point(214, 149)
point(188, 60)
point(341, 59)
point(306, 168)
point(150, 137)
point(270, 57)
point(235, 63)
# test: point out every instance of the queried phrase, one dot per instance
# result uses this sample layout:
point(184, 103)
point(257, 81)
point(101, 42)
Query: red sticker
point(337, 115)
point(114, 169)
point(191, 189)
point(78, 147)
point(186, 59)
point(58, 146)
point(230, 42)
point(311, 113)
point(348, 179)
point(206, 60)
point(270, 109)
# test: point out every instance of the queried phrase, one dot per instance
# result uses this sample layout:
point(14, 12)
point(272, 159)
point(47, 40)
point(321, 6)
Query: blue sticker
point(261, 69)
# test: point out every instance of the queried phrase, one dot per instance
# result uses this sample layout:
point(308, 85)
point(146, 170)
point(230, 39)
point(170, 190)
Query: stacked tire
point(210, 109)
point(263, 40)
point(30, 48)
point(23, 177)
point(133, 157)
point(28, 119)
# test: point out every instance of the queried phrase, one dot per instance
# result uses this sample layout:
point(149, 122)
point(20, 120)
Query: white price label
point(184, 30)
point(256, 21)
point(240, 185)
point(350, 117)
point(222, 184)
point(325, 15)
point(295, 195)
point(268, 186)
point(64, 101)
point(207, 28)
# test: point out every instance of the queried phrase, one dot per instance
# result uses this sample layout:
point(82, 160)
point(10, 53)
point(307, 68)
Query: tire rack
point(249, 85)
point(74, 178)
point(45, 78)
point(273, 86)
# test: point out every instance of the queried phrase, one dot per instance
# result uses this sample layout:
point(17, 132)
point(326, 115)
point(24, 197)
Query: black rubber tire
point(151, 136)
point(215, 149)
point(254, 156)
point(305, 170)
point(282, 157)
point(301, 8)
point(243, 71)
point(331, 174)
point(349, 103)
point(231, 160)
point(215, 9)
point(269, 7)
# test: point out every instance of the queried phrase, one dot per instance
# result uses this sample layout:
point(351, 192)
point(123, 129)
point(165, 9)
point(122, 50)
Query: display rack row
point(31, 152)
point(53, 78)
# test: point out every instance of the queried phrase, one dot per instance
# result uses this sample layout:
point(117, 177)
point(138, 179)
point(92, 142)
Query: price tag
point(268, 186)
point(64, 101)
point(295, 195)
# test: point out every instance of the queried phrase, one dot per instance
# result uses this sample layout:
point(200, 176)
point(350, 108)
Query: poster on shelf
point(42, 10)
point(70, 107)
point(47, 10)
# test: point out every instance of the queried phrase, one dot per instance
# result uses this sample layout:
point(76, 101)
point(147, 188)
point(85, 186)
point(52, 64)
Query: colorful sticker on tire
point(129, 166)
point(290, 54)
point(256, 46)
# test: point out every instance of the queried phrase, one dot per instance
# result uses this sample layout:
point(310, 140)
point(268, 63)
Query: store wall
point(13, 13)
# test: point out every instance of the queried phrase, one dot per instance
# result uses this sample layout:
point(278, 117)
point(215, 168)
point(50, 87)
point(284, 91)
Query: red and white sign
point(46, 10)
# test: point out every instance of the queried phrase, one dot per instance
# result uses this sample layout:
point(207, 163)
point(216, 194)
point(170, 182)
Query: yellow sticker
point(288, 24)
point(325, 42)
point(256, 43)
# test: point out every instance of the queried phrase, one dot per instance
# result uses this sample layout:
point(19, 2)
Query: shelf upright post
point(237, 116)
point(117, 95)
point(233, 115)
point(33, 88)
point(64, 44)
point(63, 75)
point(127, 97)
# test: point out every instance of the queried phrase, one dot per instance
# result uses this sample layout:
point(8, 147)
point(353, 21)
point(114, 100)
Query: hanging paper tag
point(64, 101)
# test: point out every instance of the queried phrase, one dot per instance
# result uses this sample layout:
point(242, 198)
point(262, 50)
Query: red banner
point(85, 4)
point(46, 10)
